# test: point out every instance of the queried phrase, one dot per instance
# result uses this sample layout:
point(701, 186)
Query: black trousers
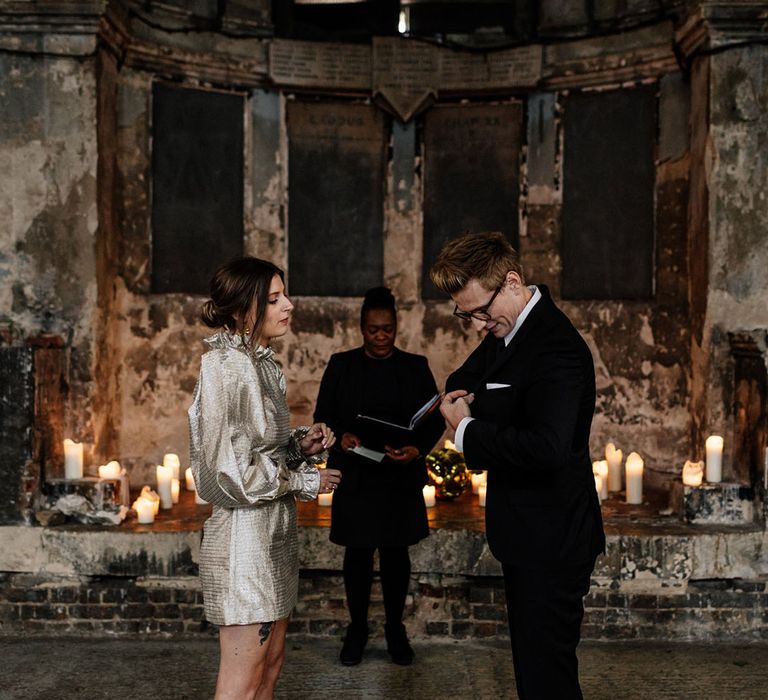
point(395, 570)
point(545, 610)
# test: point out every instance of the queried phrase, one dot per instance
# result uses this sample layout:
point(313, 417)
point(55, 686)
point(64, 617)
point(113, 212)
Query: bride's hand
point(329, 480)
point(318, 438)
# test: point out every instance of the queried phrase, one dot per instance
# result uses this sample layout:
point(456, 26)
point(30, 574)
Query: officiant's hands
point(404, 455)
point(329, 480)
point(455, 407)
point(349, 441)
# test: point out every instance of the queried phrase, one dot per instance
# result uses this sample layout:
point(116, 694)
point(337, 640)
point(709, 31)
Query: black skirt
point(378, 505)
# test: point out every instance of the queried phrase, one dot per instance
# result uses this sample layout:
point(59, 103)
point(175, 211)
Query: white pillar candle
point(325, 499)
point(600, 468)
point(174, 490)
point(199, 499)
point(172, 460)
point(634, 475)
point(164, 477)
point(614, 458)
point(693, 473)
point(429, 496)
point(714, 450)
point(110, 471)
point(145, 510)
point(189, 479)
point(481, 493)
point(73, 459)
point(478, 480)
point(599, 486)
point(149, 495)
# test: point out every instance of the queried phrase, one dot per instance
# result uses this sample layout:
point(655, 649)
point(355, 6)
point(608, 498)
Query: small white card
point(493, 385)
point(375, 455)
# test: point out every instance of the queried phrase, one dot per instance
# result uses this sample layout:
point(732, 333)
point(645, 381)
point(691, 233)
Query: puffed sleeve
point(230, 464)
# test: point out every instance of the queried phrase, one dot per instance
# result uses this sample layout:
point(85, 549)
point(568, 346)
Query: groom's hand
point(455, 406)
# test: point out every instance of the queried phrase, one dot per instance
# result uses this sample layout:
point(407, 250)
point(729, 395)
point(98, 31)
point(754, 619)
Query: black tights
point(395, 569)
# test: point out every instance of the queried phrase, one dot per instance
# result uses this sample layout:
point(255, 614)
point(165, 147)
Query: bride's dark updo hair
point(234, 288)
point(378, 298)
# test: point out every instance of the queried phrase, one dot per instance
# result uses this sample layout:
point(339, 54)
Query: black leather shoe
point(400, 650)
point(354, 645)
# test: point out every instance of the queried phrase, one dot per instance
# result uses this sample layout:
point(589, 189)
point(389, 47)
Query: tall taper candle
point(164, 477)
point(614, 458)
point(634, 473)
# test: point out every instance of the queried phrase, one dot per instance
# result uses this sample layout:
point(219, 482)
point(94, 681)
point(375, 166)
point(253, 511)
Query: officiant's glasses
point(480, 314)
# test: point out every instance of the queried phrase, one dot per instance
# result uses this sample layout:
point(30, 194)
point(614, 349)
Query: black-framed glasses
point(480, 314)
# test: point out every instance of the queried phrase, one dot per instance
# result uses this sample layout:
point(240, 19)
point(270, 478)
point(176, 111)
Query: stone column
point(728, 212)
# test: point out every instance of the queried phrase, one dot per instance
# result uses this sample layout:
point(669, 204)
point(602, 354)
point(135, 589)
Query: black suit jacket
point(532, 436)
point(377, 504)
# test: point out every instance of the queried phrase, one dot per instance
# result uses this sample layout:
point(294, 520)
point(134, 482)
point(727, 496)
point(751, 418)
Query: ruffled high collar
point(224, 339)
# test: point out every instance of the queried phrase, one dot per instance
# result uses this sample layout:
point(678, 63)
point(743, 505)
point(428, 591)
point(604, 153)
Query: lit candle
point(429, 496)
point(189, 479)
point(481, 492)
point(110, 471)
point(714, 449)
point(600, 469)
point(149, 495)
point(174, 490)
point(73, 459)
point(325, 499)
point(634, 474)
point(478, 480)
point(614, 458)
point(693, 473)
point(145, 510)
point(164, 477)
point(172, 460)
point(599, 486)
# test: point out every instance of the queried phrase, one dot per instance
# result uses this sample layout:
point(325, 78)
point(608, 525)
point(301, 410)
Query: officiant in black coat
point(379, 505)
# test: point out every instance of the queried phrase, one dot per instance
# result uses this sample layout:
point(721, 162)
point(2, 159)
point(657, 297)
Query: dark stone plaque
point(336, 165)
point(197, 186)
point(471, 176)
point(608, 193)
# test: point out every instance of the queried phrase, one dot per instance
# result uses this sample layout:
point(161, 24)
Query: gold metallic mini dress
point(246, 461)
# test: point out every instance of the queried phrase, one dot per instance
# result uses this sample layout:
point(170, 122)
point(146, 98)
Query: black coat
point(377, 504)
point(533, 437)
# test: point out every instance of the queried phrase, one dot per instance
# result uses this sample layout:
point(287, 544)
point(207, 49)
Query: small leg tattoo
point(264, 630)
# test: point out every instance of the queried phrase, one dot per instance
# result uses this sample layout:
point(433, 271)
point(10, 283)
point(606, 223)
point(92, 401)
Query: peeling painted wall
point(48, 211)
point(640, 349)
point(736, 171)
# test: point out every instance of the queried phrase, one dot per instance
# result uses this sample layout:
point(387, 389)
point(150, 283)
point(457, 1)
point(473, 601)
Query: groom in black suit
point(521, 407)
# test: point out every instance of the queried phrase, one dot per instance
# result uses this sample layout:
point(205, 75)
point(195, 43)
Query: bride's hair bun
point(211, 315)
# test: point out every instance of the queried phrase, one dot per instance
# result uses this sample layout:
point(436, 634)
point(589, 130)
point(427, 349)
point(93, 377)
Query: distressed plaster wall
point(48, 215)
point(735, 252)
point(640, 348)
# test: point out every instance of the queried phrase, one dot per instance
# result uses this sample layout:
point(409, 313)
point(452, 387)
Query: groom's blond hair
point(486, 257)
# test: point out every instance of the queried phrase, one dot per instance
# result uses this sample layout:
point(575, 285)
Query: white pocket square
point(493, 385)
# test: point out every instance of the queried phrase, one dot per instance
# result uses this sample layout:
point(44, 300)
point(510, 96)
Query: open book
point(375, 433)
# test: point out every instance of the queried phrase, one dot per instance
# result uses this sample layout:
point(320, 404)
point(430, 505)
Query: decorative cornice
point(713, 25)
point(609, 60)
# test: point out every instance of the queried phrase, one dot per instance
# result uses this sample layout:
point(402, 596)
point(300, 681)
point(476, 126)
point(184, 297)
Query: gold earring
point(247, 330)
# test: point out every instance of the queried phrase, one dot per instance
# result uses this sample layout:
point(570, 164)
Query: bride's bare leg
point(274, 661)
point(243, 658)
